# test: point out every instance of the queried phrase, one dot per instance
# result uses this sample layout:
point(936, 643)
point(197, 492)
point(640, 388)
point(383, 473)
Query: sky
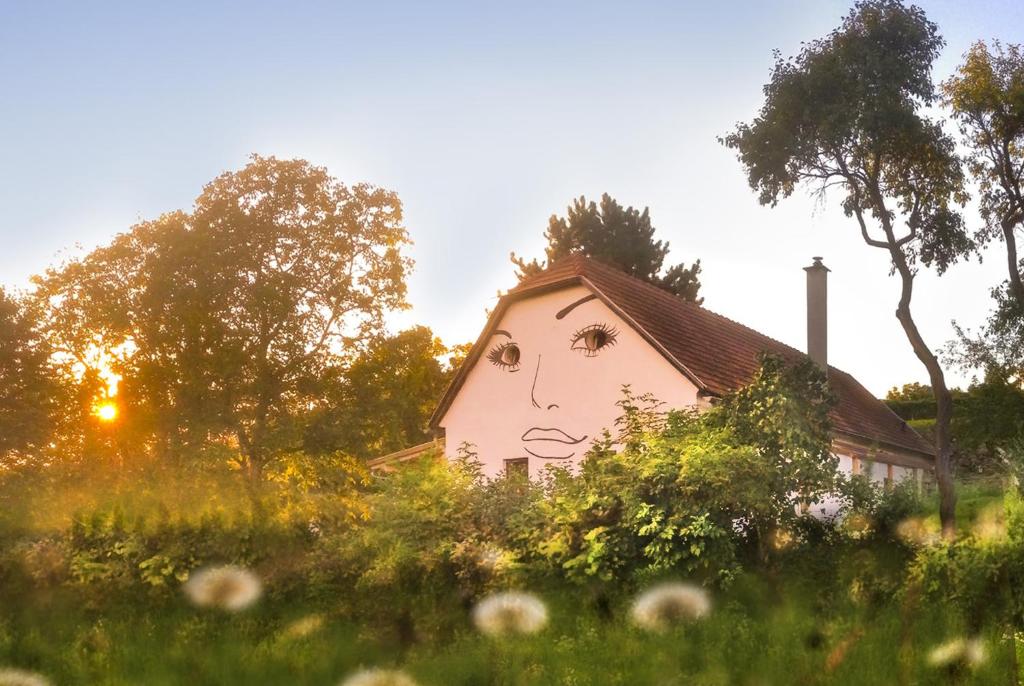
point(485, 118)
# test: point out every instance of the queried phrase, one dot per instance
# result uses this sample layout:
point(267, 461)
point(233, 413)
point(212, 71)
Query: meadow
point(94, 589)
point(759, 633)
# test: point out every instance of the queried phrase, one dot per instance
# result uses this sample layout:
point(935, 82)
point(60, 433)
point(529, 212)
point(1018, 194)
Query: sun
point(106, 411)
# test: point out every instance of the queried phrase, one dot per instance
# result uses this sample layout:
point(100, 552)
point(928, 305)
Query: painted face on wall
point(549, 378)
point(547, 383)
point(556, 431)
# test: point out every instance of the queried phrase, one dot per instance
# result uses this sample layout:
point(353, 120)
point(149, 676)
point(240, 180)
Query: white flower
point(510, 613)
point(19, 677)
point(670, 603)
point(379, 677)
point(228, 588)
point(969, 652)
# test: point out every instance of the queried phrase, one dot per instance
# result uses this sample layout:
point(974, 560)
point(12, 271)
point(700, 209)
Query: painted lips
point(556, 435)
point(544, 440)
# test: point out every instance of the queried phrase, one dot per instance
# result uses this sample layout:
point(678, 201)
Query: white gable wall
point(555, 388)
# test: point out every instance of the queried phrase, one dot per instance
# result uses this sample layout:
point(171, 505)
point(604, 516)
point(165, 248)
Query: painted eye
point(593, 338)
point(505, 356)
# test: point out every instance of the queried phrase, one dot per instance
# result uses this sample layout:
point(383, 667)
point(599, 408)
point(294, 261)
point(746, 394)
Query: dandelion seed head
point(305, 626)
point(665, 605)
point(20, 677)
point(510, 613)
point(976, 653)
point(379, 677)
point(958, 652)
point(228, 588)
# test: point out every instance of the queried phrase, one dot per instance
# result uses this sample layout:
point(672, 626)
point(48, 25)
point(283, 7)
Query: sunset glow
point(106, 411)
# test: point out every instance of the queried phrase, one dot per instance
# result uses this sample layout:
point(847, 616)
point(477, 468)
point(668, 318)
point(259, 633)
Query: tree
point(382, 402)
point(783, 413)
point(27, 383)
point(989, 421)
point(986, 97)
point(623, 238)
point(999, 347)
point(847, 113)
point(226, 317)
point(910, 392)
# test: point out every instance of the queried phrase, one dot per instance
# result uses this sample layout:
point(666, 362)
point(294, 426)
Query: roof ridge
point(676, 300)
point(716, 351)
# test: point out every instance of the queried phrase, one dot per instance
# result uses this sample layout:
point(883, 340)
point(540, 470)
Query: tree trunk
point(943, 398)
point(253, 459)
point(1016, 283)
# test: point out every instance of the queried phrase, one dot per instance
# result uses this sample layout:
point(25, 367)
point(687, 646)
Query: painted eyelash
point(495, 356)
point(610, 332)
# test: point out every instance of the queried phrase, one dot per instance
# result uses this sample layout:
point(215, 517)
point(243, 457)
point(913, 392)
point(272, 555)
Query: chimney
point(817, 313)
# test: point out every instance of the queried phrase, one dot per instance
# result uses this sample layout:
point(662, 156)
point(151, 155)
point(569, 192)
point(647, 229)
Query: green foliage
point(847, 112)
point(998, 348)
point(381, 570)
point(986, 97)
point(681, 495)
point(982, 573)
point(877, 509)
point(383, 400)
point(417, 516)
point(910, 392)
point(323, 490)
point(106, 553)
point(623, 238)
point(28, 386)
point(222, 320)
point(989, 420)
point(783, 413)
point(625, 517)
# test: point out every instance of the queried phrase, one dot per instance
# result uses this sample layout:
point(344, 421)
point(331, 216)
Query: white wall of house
point(549, 409)
point(878, 471)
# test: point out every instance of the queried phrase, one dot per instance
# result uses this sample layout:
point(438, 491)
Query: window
point(518, 467)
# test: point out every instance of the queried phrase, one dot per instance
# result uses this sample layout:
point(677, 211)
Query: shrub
point(679, 494)
point(982, 572)
point(870, 508)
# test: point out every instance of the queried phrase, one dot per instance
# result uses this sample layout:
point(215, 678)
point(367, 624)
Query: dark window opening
point(517, 468)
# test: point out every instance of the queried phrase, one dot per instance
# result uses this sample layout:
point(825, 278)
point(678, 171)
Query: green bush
point(982, 572)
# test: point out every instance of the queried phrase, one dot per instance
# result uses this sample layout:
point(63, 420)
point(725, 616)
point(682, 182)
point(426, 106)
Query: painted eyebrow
point(569, 308)
point(501, 332)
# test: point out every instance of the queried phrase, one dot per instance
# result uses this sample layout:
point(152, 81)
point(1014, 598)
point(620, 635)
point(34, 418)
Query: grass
point(758, 633)
point(829, 615)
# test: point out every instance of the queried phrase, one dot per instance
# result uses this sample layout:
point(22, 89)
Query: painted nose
point(533, 390)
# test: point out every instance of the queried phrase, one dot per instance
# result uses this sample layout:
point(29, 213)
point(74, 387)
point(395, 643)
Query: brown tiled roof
point(716, 353)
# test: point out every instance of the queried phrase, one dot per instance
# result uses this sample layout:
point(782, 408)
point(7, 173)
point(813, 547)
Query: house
point(542, 380)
